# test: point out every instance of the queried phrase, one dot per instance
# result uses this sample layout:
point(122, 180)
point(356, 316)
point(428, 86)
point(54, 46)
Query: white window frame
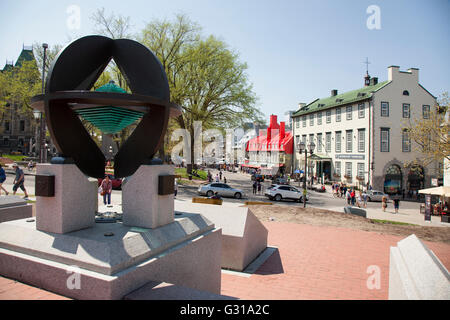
point(384, 141)
point(319, 142)
point(319, 118)
point(328, 141)
point(384, 109)
point(349, 142)
point(328, 115)
point(426, 114)
point(311, 119)
point(338, 114)
point(348, 169)
point(360, 169)
point(348, 112)
point(361, 140)
point(361, 110)
point(406, 141)
point(406, 113)
point(337, 168)
point(338, 142)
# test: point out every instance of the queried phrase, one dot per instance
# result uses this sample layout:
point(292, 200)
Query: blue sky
point(296, 51)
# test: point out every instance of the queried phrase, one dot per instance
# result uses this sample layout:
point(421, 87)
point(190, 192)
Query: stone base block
point(415, 273)
point(13, 208)
point(86, 264)
point(142, 205)
point(74, 204)
point(244, 237)
point(168, 291)
point(355, 211)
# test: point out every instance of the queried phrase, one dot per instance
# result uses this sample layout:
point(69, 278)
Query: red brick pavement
point(312, 262)
point(315, 262)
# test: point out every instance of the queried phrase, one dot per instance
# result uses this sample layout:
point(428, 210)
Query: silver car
point(375, 195)
point(222, 189)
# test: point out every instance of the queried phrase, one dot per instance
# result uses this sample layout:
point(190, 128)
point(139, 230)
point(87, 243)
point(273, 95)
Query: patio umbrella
point(437, 191)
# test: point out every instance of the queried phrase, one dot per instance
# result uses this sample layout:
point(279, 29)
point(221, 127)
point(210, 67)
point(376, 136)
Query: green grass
point(183, 173)
point(13, 157)
point(392, 222)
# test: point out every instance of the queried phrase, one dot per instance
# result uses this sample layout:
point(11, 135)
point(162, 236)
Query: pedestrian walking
point(19, 181)
point(259, 187)
point(217, 178)
point(359, 200)
point(396, 204)
point(220, 174)
point(2, 179)
point(384, 203)
point(106, 186)
point(352, 195)
point(224, 179)
point(348, 196)
point(365, 199)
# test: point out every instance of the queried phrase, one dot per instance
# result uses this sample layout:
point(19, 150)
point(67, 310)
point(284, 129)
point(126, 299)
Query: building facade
point(271, 151)
point(360, 137)
point(18, 131)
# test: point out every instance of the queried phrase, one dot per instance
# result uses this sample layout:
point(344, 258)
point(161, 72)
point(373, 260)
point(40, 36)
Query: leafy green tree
point(206, 78)
point(431, 134)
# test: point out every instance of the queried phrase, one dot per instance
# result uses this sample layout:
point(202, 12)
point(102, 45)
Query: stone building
point(18, 131)
point(360, 137)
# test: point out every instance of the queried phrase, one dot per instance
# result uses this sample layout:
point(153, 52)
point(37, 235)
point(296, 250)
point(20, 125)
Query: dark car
point(116, 182)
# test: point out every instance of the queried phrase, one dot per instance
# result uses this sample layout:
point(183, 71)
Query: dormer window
point(405, 93)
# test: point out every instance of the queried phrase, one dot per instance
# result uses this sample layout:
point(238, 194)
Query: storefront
point(393, 180)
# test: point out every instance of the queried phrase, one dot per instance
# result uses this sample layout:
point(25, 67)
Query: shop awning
point(437, 191)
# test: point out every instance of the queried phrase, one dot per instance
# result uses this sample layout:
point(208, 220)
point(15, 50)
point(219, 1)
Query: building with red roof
point(272, 149)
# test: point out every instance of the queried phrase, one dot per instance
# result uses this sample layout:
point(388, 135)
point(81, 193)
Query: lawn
point(183, 174)
point(14, 157)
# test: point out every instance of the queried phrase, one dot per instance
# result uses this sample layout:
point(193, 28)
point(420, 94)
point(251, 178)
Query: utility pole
point(42, 148)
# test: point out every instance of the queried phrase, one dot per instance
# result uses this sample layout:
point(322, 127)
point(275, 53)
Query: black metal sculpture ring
point(72, 75)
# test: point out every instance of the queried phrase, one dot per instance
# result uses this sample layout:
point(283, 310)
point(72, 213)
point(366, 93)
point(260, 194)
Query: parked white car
point(375, 195)
point(280, 192)
point(222, 189)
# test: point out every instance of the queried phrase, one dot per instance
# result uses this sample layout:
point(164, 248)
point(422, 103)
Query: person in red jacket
point(106, 190)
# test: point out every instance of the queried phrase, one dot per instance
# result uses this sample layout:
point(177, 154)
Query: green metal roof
point(340, 99)
point(25, 55)
point(110, 119)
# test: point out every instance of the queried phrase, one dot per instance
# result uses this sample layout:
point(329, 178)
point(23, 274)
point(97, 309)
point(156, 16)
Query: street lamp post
point(302, 147)
point(42, 149)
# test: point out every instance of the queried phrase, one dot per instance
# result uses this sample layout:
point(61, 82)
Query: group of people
point(257, 187)
point(218, 178)
point(19, 180)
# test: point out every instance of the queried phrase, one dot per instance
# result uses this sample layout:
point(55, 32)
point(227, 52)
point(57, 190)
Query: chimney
point(334, 92)
point(282, 130)
point(392, 72)
point(414, 72)
point(373, 81)
point(273, 122)
point(301, 105)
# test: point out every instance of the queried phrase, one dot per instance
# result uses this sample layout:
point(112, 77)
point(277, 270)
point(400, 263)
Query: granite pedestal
point(74, 203)
point(13, 208)
point(185, 252)
point(142, 204)
point(415, 273)
point(244, 237)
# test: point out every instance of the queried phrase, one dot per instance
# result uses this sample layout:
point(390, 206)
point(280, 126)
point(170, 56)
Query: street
point(409, 211)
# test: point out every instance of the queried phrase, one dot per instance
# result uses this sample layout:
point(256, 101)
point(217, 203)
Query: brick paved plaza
point(312, 262)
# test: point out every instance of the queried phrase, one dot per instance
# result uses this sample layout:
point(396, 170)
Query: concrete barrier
point(415, 273)
point(207, 201)
point(256, 203)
